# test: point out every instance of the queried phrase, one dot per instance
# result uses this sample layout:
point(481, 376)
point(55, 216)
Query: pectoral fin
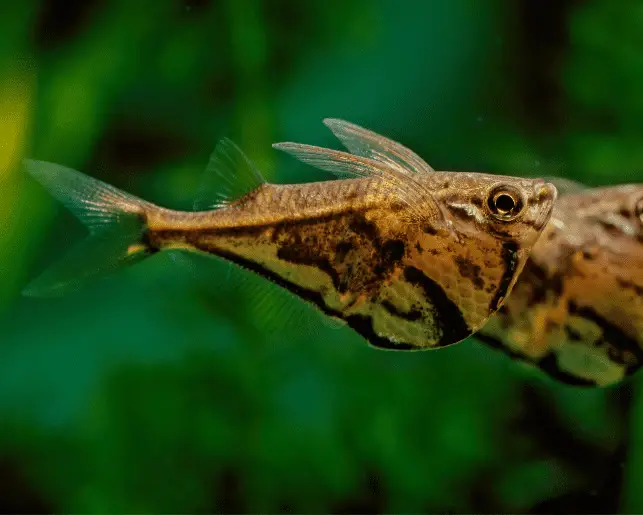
point(405, 187)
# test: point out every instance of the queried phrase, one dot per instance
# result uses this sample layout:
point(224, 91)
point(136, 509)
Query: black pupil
point(505, 203)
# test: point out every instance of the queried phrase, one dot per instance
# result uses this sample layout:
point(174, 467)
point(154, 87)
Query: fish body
point(577, 309)
point(408, 257)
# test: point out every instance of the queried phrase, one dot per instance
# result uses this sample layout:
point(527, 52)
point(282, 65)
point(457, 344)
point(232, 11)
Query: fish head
point(620, 209)
point(505, 208)
point(494, 223)
point(630, 229)
point(635, 202)
point(613, 212)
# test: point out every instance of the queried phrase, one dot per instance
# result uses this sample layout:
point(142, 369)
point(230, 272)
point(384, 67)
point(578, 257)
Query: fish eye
point(505, 203)
point(638, 209)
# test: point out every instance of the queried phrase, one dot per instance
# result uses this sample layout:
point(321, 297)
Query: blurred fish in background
point(151, 392)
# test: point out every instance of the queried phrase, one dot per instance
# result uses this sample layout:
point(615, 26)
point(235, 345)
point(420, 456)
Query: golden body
point(341, 246)
point(408, 257)
point(577, 309)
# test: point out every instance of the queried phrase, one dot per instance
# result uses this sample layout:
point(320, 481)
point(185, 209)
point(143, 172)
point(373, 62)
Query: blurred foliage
point(158, 390)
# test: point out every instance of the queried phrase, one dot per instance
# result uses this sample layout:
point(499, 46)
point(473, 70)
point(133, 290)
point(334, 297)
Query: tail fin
point(116, 221)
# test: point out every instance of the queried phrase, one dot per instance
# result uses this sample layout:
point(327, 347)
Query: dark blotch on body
point(588, 256)
point(612, 334)
point(302, 254)
point(448, 317)
point(391, 252)
point(572, 334)
point(342, 249)
point(542, 284)
point(470, 270)
point(510, 258)
point(360, 225)
point(364, 325)
point(638, 290)
point(412, 315)
point(548, 364)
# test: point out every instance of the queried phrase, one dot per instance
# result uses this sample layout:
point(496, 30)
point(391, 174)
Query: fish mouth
point(546, 193)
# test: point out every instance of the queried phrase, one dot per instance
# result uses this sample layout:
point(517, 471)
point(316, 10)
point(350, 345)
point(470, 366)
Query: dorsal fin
point(405, 186)
point(362, 142)
point(228, 176)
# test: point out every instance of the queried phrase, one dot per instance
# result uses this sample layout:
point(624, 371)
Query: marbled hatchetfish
point(576, 311)
point(408, 257)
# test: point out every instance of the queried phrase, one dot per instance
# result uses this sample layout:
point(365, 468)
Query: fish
point(408, 257)
point(576, 311)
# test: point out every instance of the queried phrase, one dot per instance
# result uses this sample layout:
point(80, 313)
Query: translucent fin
point(337, 162)
point(182, 259)
point(99, 255)
point(405, 186)
point(228, 176)
point(93, 202)
point(567, 186)
point(365, 143)
point(274, 309)
point(265, 306)
point(116, 221)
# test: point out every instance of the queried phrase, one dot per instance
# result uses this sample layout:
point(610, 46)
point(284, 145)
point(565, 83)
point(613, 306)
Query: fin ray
point(366, 143)
point(90, 200)
point(229, 175)
point(99, 255)
point(275, 307)
point(406, 188)
point(115, 219)
point(271, 308)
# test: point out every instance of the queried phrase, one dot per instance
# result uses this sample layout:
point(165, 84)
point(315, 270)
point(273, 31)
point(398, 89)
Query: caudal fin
point(115, 219)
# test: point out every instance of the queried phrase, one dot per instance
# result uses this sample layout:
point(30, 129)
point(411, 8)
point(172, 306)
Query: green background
point(168, 389)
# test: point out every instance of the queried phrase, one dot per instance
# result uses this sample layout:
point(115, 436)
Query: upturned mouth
point(546, 194)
